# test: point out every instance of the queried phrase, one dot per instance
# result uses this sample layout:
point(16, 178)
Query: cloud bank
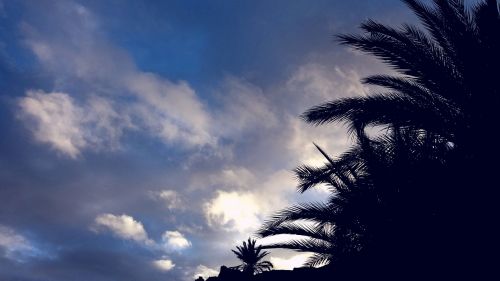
point(157, 135)
point(113, 94)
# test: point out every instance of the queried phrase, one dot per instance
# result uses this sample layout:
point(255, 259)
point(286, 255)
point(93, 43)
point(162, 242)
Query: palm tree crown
point(251, 257)
point(447, 74)
point(418, 198)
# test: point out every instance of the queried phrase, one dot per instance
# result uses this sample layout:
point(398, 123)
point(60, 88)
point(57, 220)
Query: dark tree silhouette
point(418, 199)
point(321, 228)
point(365, 192)
point(251, 257)
point(447, 84)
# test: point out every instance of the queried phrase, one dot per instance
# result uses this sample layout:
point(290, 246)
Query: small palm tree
point(251, 257)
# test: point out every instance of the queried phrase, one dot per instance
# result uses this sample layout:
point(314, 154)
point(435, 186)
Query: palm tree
point(321, 227)
point(421, 193)
point(446, 75)
point(446, 93)
point(446, 86)
point(251, 257)
point(364, 190)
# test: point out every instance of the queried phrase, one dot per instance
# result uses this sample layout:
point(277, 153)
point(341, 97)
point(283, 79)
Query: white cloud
point(204, 272)
point(288, 263)
point(57, 121)
point(124, 226)
point(170, 110)
point(314, 83)
point(164, 264)
point(302, 137)
point(352, 82)
point(243, 200)
point(42, 51)
point(170, 198)
point(191, 228)
point(234, 177)
point(104, 124)
point(113, 94)
point(110, 87)
point(15, 244)
point(175, 241)
point(245, 108)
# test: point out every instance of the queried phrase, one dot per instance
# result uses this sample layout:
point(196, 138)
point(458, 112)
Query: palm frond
point(318, 212)
point(382, 109)
point(303, 245)
point(316, 231)
point(317, 260)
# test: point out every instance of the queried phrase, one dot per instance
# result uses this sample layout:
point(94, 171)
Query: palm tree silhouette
point(251, 257)
point(321, 227)
point(416, 199)
point(446, 74)
point(364, 193)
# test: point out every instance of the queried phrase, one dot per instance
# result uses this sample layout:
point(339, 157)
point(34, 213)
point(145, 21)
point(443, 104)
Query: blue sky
point(141, 140)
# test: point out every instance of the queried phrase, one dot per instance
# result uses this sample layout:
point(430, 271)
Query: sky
point(143, 140)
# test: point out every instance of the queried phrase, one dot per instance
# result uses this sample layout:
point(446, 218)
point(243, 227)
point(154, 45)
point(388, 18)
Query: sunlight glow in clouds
point(243, 200)
point(234, 211)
